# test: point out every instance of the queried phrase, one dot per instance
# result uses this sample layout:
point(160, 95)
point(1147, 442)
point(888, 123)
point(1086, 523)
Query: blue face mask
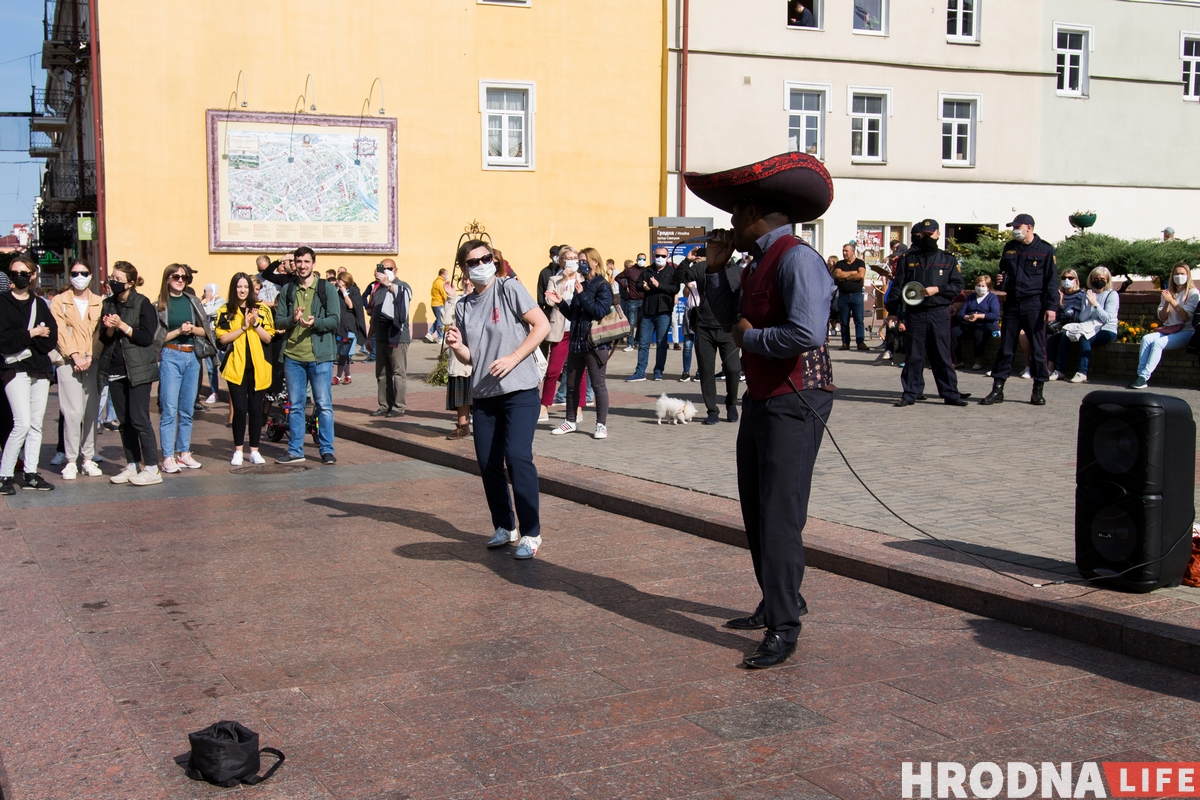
point(585, 267)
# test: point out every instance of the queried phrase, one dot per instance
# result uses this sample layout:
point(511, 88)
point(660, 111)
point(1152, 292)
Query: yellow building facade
point(583, 165)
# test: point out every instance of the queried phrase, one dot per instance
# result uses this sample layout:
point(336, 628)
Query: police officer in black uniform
point(1028, 276)
point(927, 324)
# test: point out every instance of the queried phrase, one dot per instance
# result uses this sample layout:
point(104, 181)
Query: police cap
point(1021, 219)
point(925, 226)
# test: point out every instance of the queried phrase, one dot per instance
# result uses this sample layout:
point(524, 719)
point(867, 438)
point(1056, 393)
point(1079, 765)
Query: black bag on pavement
point(226, 753)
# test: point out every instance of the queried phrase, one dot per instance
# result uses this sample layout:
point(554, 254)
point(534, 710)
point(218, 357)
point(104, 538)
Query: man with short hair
point(849, 274)
point(631, 298)
point(659, 286)
point(390, 304)
point(269, 292)
point(309, 312)
point(1168, 234)
point(437, 301)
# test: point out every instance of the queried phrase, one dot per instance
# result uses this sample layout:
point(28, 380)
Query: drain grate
point(269, 469)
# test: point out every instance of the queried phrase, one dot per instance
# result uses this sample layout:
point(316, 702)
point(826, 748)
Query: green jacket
point(140, 352)
point(327, 314)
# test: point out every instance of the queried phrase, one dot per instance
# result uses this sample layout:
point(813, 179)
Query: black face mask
point(926, 244)
point(585, 268)
point(1098, 285)
point(118, 287)
point(21, 281)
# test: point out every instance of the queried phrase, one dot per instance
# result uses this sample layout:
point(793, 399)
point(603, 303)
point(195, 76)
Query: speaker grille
point(1114, 534)
point(1115, 444)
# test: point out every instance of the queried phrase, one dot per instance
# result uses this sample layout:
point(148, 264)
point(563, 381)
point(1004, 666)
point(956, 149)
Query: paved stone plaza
point(353, 617)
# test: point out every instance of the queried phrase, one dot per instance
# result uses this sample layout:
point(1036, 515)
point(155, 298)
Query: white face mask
point(81, 282)
point(1180, 280)
point(641, 262)
point(571, 265)
point(660, 261)
point(1068, 283)
point(390, 275)
point(981, 290)
point(482, 274)
point(554, 259)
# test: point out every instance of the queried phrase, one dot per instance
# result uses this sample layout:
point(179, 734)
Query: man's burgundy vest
point(762, 305)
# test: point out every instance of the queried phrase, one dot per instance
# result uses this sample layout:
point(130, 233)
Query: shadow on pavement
point(868, 395)
point(665, 613)
point(928, 547)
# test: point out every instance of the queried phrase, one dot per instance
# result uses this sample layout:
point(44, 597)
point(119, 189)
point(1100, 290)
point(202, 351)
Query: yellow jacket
point(76, 334)
point(437, 292)
point(235, 364)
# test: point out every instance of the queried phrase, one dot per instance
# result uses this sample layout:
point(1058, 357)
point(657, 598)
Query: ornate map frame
point(320, 235)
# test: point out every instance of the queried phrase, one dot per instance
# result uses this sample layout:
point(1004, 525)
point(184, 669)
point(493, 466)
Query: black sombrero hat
point(796, 179)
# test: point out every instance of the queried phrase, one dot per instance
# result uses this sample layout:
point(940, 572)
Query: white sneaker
point(601, 431)
point(502, 538)
point(169, 466)
point(147, 477)
point(70, 472)
point(211, 399)
point(237, 458)
point(628, 348)
point(58, 460)
point(1079, 377)
point(1025, 374)
point(91, 470)
point(124, 475)
point(256, 458)
point(544, 416)
point(1055, 376)
point(566, 427)
point(528, 546)
point(186, 460)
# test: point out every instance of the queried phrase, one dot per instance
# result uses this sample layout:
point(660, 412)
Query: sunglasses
point(14, 273)
point(179, 277)
point(80, 274)
point(475, 262)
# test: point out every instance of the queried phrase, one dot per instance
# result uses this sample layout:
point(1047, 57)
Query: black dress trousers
point(1028, 317)
point(928, 333)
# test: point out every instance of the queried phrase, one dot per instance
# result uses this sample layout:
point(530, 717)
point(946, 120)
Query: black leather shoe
point(964, 395)
point(922, 397)
point(901, 403)
point(381, 412)
point(771, 653)
point(758, 620)
point(996, 395)
point(731, 413)
point(958, 401)
point(1036, 397)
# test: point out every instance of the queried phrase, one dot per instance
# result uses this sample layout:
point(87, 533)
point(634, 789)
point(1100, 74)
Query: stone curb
point(1164, 632)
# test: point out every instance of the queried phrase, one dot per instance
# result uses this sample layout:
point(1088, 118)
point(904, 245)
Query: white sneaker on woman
point(90, 469)
point(1025, 374)
point(237, 458)
point(124, 475)
point(256, 458)
point(147, 477)
point(70, 472)
point(169, 466)
point(1056, 376)
point(601, 431)
point(566, 427)
point(1079, 377)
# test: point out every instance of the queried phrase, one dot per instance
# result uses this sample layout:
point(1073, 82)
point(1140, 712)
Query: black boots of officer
point(1036, 398)
point(997, 393)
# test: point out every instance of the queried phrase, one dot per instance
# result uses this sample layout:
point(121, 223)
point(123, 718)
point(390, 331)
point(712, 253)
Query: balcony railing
point(62, 181)
point(52, 102)
point(66, 34)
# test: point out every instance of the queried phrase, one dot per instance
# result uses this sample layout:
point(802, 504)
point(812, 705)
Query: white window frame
point(976, 101)
point(958, 38)
point(889, 110)
point(1089, 46)
point(528, 163)
point(817, 226)
point(1184, 37)
point(885, 21)
point(826, 92)
point(818, 10)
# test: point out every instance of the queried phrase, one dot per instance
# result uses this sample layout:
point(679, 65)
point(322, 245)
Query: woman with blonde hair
point(590, 302)
point(563, 287)
point(1097, 321)
point(1179, 301)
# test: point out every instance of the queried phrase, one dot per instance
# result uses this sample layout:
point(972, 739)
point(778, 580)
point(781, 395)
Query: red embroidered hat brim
point(797, 179)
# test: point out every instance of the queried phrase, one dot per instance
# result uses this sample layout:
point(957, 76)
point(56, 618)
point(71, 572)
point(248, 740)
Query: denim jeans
point(1155, 344)
point(633, 310)
point(657, 327)
point(560, 396)
point(300, 374)
point(1085, 350)
point(437, 319)
point(213, 371)
point(689, 342)
point(851, 304)
point(178, 382)
point(504, 428)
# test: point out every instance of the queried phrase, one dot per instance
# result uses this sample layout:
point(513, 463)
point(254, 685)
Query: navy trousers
point(928, 334)
point(777, 446)
point(504, 428)
point(1030, 318)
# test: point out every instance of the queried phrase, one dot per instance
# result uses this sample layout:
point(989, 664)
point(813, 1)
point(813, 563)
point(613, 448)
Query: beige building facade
point(967, 111)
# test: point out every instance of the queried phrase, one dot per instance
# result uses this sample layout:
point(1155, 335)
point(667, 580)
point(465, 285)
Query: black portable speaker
point(1135, 474)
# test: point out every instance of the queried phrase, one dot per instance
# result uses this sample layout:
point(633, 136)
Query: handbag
point(1167, 330)
point(226, 753)
point(27, 352)
point(612, 327)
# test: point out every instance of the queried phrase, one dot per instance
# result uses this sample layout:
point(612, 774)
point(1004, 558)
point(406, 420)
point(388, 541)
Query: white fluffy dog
point(674, 409)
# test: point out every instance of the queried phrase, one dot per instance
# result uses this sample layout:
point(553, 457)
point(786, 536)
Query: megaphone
point(913, 293)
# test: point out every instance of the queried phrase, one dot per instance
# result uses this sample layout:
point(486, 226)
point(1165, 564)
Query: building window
point(806, 131)
point(958, 133)
point(870, 16)
point(962, 20)
point(1191, 68)
point(804, 14)
point(1071, 48)
point(867, 127)
point(810, 234)
point(507, 111)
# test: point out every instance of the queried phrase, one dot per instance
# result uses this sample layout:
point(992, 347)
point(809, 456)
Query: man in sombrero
point(777, 308)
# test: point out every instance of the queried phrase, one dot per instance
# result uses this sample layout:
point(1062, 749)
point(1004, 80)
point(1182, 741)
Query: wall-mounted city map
point(276, 181)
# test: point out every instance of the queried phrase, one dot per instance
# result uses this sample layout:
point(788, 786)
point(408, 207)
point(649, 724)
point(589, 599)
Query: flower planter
point(1082, 221)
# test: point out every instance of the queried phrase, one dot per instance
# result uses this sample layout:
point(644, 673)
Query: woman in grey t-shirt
point(496, 329)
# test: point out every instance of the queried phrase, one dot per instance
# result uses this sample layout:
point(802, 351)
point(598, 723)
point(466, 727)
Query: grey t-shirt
point(492, 327)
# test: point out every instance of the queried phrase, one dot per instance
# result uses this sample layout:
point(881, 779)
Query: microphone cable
point(976, 559)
